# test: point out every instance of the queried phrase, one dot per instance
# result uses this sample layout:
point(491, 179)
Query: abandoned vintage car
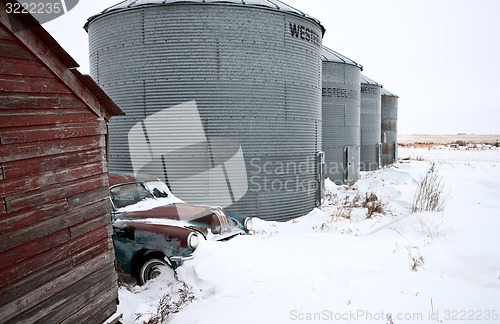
point(154, 231)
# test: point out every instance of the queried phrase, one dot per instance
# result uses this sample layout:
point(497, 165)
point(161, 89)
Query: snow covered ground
point(396, 267)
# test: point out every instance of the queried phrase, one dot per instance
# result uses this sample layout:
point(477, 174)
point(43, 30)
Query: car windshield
point(129, 194)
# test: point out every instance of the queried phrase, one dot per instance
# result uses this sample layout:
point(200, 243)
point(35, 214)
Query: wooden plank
point(4, 34)
point(16, 169)
point(39, 261)
point(11, 49)
point(62, 305)
point(94, 312)
point(55, 192)
point(59, 221)
point(25, 251)
point(13, 186)
point(88, 197)
point(47, 57)
point(27, 84)
point(30, 134)
point(34, 150)
point(28, 217)
point(14, 101)
point(2, 207)
point(91, 252)
point(21, 67)
point(25, 285)
point(89, 225)
point(9, 310)
point(21, 118)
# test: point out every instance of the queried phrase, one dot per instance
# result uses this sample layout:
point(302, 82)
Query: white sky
point(441, 57)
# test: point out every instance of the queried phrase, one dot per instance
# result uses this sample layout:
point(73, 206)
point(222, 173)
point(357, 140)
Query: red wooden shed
point(56, 251)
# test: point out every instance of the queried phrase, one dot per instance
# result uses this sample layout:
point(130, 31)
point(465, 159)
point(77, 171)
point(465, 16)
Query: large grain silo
point(341, 117)
point(247, 74)
point(370, 124)
point(389, 131)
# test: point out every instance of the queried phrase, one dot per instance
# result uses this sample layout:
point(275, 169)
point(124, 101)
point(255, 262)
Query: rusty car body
point(153, 230)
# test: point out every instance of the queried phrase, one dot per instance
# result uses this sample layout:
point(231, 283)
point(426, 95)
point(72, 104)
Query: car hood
point(177, 211)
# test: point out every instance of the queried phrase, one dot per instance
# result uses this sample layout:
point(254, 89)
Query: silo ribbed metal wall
point(341, 120)
point(389, 128)
point(251, 79)
point(370, 127)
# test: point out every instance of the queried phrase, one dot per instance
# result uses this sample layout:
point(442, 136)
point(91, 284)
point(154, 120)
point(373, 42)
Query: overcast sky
point(441, 57)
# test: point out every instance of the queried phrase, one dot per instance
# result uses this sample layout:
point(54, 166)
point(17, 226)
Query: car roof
point(116, 178)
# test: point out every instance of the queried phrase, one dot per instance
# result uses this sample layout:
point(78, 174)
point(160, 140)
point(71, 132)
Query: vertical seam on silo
point(228, 183)
point(146, 136)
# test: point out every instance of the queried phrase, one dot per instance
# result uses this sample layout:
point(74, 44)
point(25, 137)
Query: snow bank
point(395, 267)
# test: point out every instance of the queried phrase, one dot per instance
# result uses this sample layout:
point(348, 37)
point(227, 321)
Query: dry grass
point(167, 306)
point(429, 195)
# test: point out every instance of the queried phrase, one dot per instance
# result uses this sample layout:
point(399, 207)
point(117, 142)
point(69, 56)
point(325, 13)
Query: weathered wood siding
point(56, 253)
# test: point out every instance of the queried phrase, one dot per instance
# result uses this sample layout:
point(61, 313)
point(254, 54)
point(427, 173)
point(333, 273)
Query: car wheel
point(152, 269)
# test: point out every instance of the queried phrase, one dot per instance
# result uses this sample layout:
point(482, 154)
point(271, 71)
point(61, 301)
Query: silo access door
point(351, 155)
point(320, 173)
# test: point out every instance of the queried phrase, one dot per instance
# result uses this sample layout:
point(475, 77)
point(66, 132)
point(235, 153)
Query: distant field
point(448, 139)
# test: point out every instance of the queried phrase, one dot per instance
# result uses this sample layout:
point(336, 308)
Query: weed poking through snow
point(167, 306)
point(429, 194)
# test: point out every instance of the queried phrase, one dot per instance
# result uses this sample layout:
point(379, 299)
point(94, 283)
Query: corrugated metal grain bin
point(370, 124)
point(253, 70)
point(341, 117)
point(389, 127)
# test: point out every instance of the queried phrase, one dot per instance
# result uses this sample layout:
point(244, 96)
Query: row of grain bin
point(359, 120)
point(224, 102)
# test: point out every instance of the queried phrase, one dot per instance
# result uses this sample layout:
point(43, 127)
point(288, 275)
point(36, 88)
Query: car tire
point(152, 269)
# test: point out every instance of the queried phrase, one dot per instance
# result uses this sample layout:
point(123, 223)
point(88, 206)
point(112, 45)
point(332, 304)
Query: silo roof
point(387, 93)
point(270, 4)
point(330, 55)
point(366, 80)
